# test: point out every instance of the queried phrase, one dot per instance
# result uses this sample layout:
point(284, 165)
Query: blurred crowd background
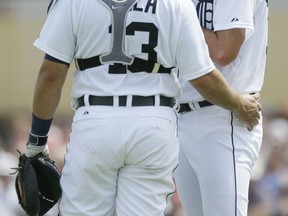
point(20, 24)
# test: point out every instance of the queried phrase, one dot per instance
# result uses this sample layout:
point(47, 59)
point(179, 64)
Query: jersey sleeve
point(233, 14)
point(56, 37)
point(192, 57)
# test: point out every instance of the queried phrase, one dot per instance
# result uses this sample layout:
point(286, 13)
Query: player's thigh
point(226, 197)
point(89, 175)
point(188, 187)
point(223, 172)
point(87, 192)
point(143, 191)
point(223, 154)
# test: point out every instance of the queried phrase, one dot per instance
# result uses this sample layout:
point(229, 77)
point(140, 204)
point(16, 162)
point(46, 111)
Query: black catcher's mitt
point(37, 184)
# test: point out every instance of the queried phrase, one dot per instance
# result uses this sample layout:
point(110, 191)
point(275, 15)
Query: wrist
point(40, 127)
point(37, 140)
point(236, 103)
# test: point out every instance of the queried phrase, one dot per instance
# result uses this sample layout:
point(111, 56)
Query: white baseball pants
point(217, 154)
point(119, 158)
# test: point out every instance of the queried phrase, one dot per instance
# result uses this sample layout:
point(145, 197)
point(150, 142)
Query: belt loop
point(156, 68)
point(191, 105)
point(76, 64)
point(157, 100)
point(86, 100)
point(116, 101)
point(176, 106)
point(74, 104)
point(129, 101)
point(194, 105)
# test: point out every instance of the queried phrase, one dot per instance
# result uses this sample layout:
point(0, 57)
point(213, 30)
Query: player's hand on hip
point(248, 112)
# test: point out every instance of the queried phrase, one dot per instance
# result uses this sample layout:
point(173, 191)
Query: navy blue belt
point(136, 101)
point(186, 107)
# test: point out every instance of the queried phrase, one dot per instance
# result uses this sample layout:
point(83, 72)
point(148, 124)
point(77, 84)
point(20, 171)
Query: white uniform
point(217, 153)
point(121, 156)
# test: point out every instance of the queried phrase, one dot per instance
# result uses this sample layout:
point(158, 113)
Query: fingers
point(250, 121)
point(249, 128)
point(256, 96)
point(250, 114)
point(257, 116)
point(259, 107)
point(253, 123)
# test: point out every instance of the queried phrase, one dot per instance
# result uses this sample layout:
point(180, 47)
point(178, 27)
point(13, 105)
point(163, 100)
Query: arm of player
point(224, 45)
point(48, 88)
point(47, 94)
point(214, 88)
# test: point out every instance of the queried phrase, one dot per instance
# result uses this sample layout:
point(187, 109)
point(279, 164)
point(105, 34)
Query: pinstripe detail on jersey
point(234, 163)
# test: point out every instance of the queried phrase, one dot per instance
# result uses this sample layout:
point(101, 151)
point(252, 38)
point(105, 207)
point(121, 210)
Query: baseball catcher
point(37, 182)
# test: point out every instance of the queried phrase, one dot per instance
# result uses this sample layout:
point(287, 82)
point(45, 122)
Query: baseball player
point(217, 152)
point(123, 147)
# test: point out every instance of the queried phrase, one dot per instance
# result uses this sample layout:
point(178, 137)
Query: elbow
point(48, 76)
point(224, 58)
point(224, 61)
point(52, 72)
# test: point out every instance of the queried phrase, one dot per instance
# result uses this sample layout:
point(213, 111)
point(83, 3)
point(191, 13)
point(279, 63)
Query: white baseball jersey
point(246, 73)
point(132, 170)
point(217, 152)
point(176, 40)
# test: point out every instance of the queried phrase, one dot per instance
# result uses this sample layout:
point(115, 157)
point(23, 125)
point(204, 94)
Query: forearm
point(214, 88)
point(45, 100)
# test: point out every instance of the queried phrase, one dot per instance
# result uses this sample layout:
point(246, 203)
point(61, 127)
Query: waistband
point(186, 107)
point(124, 101)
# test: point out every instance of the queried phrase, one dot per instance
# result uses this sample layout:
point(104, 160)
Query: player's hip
point(217, 130)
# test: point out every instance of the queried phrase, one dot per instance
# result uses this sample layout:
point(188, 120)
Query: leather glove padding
point(48, 178)
point(37, 184)
point(27, 187)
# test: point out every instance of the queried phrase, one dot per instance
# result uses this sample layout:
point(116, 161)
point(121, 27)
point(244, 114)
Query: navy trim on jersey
point(234, 163)
point(51, 58)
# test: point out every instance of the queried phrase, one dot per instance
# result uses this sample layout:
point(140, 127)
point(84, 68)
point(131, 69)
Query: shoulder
point(51, 5)
point(60, 4)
